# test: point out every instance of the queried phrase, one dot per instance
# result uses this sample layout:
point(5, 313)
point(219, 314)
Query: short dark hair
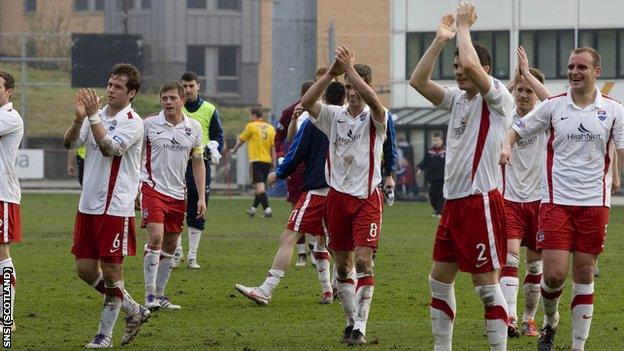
point(9, 81)
point(485, 59)
point(190, 76)
point(335, 93)
point(256, 110)
point(592, 52)
point(437, 135)
point(171, 86)
point(128, 70)
point(365, 72)
point(305, 86)
point(537, 74)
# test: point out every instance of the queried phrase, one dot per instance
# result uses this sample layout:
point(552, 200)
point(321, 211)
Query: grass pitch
point(57, 311)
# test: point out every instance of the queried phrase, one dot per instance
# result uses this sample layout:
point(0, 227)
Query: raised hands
point(345, 56)
point(446, 28)
point(466, 14)
point(523, 61)
point(87, 103)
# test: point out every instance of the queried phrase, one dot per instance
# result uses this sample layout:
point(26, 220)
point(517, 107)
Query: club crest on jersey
point(112, 125)
point(602, 114)
point(187, 130)
point(362, 118)
point(145, 213)
point(540, 236)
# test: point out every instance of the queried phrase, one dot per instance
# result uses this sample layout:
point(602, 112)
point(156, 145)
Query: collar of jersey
point(194, 105)
point(104, 112)
point(598, 102)
point(8, 106)
point(345, 110)
point(163, 121)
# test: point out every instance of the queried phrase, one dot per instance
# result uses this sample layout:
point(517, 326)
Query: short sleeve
point(499, 98)
point(9, 123)
point(324, 119)
point(127, 133)
point(618, 127)
point(535, 122)
point(450, 94)
point(246, 134)
point(381, 127)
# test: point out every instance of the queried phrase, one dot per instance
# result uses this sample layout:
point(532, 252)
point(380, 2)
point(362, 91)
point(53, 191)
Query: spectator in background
point(75, 163)
point(433, 166)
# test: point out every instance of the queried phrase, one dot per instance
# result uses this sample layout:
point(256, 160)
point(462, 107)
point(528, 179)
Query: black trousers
point(436, 196)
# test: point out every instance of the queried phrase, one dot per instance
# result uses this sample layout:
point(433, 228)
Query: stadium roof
point(420, 117)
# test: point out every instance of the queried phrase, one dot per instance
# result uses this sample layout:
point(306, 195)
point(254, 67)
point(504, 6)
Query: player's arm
point(533, 123)
point(615, 169)
point(109, 146)
point(346, 59)
point(421, 77)
point(71, 162)
point(199, 175)
point(297, 153)
point(273, 157)
point(523, 66)
point(292, 126)
point(309, 100)
point(280, 133)
point(242, 138)
point(468, 59)
point(390, 155)
point(72, 134)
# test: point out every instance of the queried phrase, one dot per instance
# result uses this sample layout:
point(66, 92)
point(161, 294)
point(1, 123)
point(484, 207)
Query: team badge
point(540, 236)
point(113, 125)
point(187, 130)
point(602, 114)
point(145, 213)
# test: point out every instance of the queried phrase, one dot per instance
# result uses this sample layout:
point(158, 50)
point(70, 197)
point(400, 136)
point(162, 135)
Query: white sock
point(334, 277)
point(301, 249)
point(179, 250)
point(322, 267)
point(495, 315)
point(582, 312)
point(363, 299)
point(346, 291)
point(551, 297)
point(128, 305)
point(164, 272)
point(194, 236)
point(271, 281)
point(532, 291)
point(112, 306)
point(509, 283)
point(151, 260)
point(442, 310)
point(8, 263)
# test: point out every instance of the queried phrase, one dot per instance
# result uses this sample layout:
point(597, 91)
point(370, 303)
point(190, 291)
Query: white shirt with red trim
point(11, 132)
point(577, 163)
point(474, 139)
point(110, 184)
point(355, 148)
point(523, 174)
point(167, 149)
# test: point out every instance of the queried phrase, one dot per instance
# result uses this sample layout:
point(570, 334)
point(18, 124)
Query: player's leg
point(197, 225)
point(6, 264)
point(151, 261)
point(113, 297)
point(164, 269)
point(443, 307)
point(346, 288)
point(532, 291)
point(364, 290)
point(489, 291)
point(510, 283)
point(321, 255)
point(553, 278)
point(302, 257)
point(262, 294)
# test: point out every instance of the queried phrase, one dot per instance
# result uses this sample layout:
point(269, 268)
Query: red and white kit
point(105, 220)
point(472, 177)
point(168, 148)
point(522, 188)
point(307, 215)
point(353, 206)
point(577, 170)
point(11, 132)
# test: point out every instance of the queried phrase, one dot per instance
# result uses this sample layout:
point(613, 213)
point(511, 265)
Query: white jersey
point(167, 149)
point(11, 132)
point(304, 117)
point(474, 139)
point(111, 184)
point(355, 148)
point(523, 174)
point(577, 162)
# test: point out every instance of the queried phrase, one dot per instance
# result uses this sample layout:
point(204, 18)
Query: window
point(146, 4)
point(548, 50)
point(99, 5)
point(229, 5)
point(227, 76)
point(81, 5)
point(125, 5)
point(497, 43)
point(30, 6)
point(609, 44)
point(196, 4)
point(196, 59)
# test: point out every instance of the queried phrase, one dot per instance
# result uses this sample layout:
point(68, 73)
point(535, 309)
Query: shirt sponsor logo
point(523, 143)
point(457, 131)
point(175, 146)
point(584, 135)
point(349, 139)
point(602, 114)
point(520, 124)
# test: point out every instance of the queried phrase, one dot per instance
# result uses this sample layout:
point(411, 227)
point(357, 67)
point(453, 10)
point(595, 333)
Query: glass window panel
point(81, 5)
point(99, 5)
point(586, 38)
point(566, 44)
point(446, 63)
point(196, 59)
point(621, 52)
point(30, 5)
point(547, 53)
point(146, 4)
point(228, 5)
point(413, 52)
point(606, 46)
point(228, 64)
point(501, 55)
point(227, 86)
point(527, 41)
point(427, 39)
point(196, 4)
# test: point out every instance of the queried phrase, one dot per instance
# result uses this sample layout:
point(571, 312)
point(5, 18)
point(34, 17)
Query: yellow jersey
point(259, 136)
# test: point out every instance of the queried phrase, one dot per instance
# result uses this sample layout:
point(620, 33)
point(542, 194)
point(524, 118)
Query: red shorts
point(523, 222)
point(10, 223)
point(352, 221)
point(472, 233)
point(103, 237)
point(573, 228)
point(294, 184)
point(307, 216)
point(160, 208)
